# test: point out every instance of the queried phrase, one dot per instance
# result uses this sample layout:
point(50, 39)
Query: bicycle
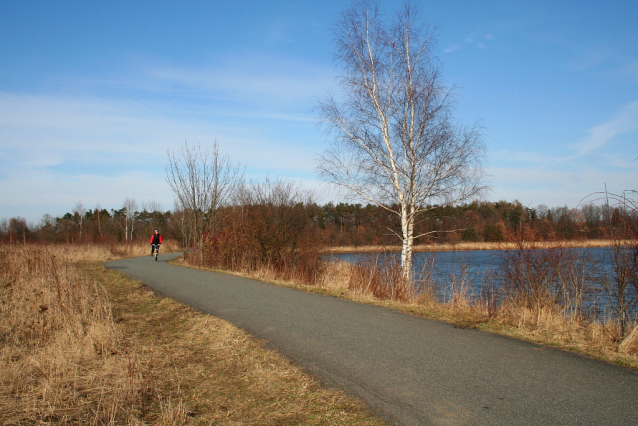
point(155, 250)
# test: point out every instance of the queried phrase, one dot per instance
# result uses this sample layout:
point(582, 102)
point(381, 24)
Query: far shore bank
point(463, 246)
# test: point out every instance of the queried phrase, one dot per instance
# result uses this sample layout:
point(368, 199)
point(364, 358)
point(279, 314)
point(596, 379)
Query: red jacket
point(153, 238)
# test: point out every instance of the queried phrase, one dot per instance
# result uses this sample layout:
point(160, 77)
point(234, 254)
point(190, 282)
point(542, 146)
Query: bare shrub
point(622, 284)
point(620, 211)
point(272, 231)
point(425, 291)
point(459, 294)
point(203, 183)
point(540, 279)
point(490, 297)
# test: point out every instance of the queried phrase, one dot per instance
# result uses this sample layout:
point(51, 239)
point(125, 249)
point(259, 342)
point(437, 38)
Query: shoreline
point(464, 246)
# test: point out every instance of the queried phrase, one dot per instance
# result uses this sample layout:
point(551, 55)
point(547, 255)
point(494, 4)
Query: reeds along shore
point(464, 246)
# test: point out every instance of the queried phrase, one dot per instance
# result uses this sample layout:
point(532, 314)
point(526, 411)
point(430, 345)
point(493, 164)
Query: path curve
point(410, 370)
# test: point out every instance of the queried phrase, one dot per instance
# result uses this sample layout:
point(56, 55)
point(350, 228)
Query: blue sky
point(93, 94)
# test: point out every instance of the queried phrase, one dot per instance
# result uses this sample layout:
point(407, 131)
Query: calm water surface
point(480, 269)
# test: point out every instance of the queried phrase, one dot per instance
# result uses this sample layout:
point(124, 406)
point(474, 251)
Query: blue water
point(474, 271)
point(447, 268)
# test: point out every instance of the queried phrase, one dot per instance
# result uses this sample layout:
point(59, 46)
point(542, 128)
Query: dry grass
point(336, 276)
point(61, 351)
point(128, 250)
point(81, 345)
point(459, 246)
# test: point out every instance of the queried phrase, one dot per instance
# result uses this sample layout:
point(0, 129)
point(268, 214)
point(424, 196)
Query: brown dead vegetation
point(460, 246)
point(81, 345)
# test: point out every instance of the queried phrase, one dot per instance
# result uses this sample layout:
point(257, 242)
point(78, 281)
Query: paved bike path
point(410, 370)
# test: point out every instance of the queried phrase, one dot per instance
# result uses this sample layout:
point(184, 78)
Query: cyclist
point(156, 240)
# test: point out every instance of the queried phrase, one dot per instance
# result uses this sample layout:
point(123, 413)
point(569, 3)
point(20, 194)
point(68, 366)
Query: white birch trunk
point(396, 144)
point(126, 227)
point(407, 242)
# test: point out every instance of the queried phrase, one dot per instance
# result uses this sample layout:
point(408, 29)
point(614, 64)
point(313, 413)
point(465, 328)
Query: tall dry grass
point(63, 360)
point(72, 354)
point(573, 297)
point(460, 246)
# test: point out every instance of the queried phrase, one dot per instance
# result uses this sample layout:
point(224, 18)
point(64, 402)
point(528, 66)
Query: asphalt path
point(409, 370)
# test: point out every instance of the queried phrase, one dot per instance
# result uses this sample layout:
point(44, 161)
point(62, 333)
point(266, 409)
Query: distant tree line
point(331, 224)
point(480, 221)
point(91, 226)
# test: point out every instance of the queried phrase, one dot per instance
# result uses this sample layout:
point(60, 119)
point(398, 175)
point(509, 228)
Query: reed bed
point(459, 246)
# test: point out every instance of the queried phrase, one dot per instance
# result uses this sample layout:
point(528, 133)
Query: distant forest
point(342, 224)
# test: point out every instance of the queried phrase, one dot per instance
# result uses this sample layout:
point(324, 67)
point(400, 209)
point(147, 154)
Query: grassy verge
point(84, 345)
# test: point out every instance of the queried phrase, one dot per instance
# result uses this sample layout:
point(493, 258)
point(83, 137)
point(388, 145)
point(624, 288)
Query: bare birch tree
point(395, 142)
point(79, 212)
point(129, 207)
point(203, 183)
point(96, 215)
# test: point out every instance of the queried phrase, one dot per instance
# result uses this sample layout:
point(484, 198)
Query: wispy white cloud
point(46, 129)
point(538, 176)
point(625, 120)
point(622, 125)
point(43, 187)
point(257, 79)
point(58, 150)
point(247, 81)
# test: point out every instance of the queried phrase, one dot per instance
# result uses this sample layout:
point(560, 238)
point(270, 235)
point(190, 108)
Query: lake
point(475, 271)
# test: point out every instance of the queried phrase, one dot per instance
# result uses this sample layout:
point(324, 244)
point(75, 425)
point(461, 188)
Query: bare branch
point(395, 142)
point(203, 182)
